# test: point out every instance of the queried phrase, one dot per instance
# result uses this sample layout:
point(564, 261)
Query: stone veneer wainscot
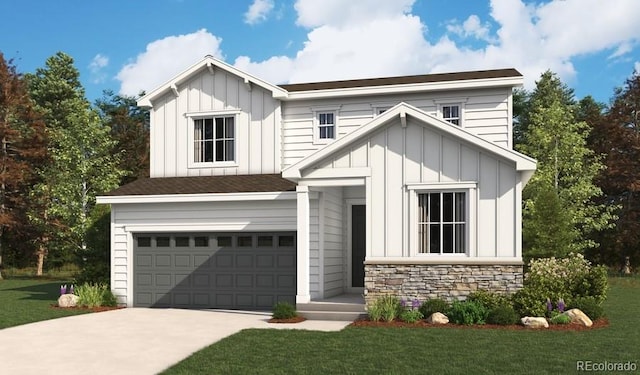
point(447, 281)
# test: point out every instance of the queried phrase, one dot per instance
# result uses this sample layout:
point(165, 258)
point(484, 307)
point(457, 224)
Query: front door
point(358, 233)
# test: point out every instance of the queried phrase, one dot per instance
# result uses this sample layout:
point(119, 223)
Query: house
point(262, 193)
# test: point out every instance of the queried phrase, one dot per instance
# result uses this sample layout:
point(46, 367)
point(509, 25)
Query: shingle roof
point(206, 184)
point(403, 80)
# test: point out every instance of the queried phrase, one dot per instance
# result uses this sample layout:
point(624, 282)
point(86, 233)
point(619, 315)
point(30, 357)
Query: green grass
point(28, 300)
point(362, 350)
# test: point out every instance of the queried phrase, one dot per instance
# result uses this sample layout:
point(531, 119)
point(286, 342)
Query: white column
point(302, 295)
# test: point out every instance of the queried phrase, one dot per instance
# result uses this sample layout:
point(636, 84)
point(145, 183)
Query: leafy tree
point(82, 165)
point(565, 164)
point(616, 135)
point(22, 148)
point(129, 126)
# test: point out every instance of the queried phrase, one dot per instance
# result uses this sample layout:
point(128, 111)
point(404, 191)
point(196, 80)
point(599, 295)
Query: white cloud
point(164, 58)
point(471, 27)
point(636, 67)
point(314, 13)
point(258, 11)
point(98, 63)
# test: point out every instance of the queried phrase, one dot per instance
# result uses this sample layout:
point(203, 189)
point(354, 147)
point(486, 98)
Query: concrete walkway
point(126, 341)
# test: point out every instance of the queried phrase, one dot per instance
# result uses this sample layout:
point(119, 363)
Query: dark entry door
point(358, 233)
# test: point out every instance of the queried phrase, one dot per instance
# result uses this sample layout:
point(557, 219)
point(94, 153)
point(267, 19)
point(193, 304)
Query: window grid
point(326, 125)
point(214, 139)
point(442, 223)
point(451, 113)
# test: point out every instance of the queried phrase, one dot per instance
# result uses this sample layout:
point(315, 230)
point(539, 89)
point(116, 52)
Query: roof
point(522, 162)
point(403, 80)
point(257, 183)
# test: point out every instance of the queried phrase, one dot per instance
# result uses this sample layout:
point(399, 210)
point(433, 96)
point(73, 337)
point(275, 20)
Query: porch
point(344, 307)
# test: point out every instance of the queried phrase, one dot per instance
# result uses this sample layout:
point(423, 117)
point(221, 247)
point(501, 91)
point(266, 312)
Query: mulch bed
point(296, 319)
point(92, 309)
point(600, 323)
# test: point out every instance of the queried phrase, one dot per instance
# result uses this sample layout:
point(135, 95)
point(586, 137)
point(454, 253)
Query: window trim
point(470, 190)
point(460, 102)
point(191, 138)
point(317, 111)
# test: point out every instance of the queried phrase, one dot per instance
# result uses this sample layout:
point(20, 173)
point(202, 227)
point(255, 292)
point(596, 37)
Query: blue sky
point(128, 46)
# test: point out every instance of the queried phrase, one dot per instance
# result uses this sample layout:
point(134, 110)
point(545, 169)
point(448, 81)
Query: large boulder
point(534, 322)
point(438, 318)
point(577, 316)
point(68, 300)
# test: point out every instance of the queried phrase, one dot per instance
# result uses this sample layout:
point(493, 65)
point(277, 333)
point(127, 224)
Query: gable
point(410, 134)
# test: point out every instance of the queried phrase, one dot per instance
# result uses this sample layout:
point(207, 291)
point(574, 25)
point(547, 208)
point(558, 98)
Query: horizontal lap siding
point(257, 126)
point(486, 115)
point(174, 217)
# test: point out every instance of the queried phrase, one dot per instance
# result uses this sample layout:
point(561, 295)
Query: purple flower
point(63, 289)
point(561, 305)
point(415, 304)
point(549, 305)
point(403, 303)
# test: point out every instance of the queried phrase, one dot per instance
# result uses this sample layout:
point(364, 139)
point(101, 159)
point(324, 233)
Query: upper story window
point(451, 113)
point(326, 125)
point(214, 139)
point(442, 222)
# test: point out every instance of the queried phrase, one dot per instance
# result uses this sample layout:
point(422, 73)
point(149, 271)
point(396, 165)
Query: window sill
point(213, 165)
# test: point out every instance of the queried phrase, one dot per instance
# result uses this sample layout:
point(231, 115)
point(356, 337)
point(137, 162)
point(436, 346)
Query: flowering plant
point(410, 311)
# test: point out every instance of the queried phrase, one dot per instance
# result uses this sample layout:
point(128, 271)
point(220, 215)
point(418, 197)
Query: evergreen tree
point(565, 164)
point(22, 148)
point(82, 165)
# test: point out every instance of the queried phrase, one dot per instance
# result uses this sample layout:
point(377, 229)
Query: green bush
point(589, 306)
point(488, 299)
point(467, 312)
point(95, 295)
point(284, 310)
point(503, 315)
point(411, 315)
point(433, 305)
point(560, 319)
point(530, 301)
point(385, 308)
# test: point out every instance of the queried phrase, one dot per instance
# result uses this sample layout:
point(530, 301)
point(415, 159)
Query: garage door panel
point(229, 271)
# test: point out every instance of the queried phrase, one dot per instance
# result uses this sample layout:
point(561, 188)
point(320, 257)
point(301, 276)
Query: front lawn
point(28, 300)
point(366, 350)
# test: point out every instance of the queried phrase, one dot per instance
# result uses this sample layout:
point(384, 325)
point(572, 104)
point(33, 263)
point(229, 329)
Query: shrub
point(284, 310)
point(385, 308)
point(467, 312)
point(411, 315)
point(95, 295)
point(502, 315)
point(433, 305)
point(529, 301)
point(589, 306)
point(488, 299)
point(560, 319)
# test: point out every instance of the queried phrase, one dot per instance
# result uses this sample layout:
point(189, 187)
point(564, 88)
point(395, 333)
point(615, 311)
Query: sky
point(134, 46)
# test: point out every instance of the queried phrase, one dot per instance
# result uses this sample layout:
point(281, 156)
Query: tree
point(557, 140)
point(82, 164)
point(616, 135)
point(22, 148)
point(129, 126)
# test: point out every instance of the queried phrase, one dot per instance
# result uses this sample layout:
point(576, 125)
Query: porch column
point(302, 294)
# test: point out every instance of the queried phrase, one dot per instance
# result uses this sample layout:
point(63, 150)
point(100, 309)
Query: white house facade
point(261, 193)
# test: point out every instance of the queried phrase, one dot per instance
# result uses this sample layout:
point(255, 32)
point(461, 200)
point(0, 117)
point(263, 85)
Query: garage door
point(249, 271)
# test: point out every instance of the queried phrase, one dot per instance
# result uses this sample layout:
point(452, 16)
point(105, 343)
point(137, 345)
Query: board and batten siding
point(332, 219)
point(418, 154)
point(127, 219)
point(486, 114)
point(257, 126)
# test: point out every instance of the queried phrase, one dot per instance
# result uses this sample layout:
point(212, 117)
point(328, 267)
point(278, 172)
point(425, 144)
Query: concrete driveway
point(126, 341)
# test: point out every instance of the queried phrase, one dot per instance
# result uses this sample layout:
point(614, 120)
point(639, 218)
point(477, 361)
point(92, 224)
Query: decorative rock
point(438, 318)
point(577, 316)
point(68, 300)
point(534, 322)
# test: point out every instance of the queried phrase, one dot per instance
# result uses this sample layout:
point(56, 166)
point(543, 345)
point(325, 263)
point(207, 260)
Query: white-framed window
point(442, 222)
point(451, 113)
point(213, 139)
point(452, 110)
point(325, 124)
point(381, 107)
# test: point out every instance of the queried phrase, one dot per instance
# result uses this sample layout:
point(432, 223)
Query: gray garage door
point(250, 271)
